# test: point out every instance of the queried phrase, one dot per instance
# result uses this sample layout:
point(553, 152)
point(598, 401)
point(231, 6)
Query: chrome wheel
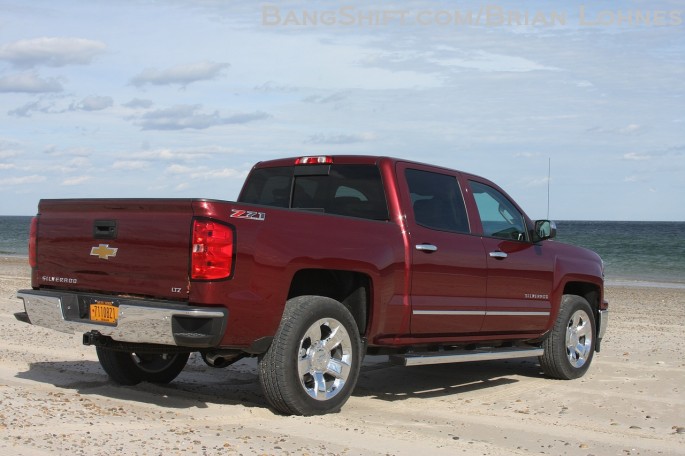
point(313, 362)
point(569, 347)
point(325, 359)
point(579, 338)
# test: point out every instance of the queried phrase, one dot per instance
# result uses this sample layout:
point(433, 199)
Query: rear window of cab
point(349, 190)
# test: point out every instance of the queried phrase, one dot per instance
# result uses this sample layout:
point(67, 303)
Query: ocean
point(645, 252)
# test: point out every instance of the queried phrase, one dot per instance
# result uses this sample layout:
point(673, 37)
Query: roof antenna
point(549, 178)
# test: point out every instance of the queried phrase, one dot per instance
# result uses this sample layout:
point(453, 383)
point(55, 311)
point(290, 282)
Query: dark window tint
point(351, 190)
point(499, 217)
point(437, 201)
point(268, 186)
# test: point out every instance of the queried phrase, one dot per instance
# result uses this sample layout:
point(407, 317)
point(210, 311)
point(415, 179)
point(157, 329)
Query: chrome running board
point(462, 356)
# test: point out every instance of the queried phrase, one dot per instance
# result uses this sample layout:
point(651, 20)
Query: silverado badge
point(104, 251)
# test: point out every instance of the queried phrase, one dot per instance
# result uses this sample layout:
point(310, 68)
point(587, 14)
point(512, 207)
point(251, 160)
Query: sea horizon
point(640, 253)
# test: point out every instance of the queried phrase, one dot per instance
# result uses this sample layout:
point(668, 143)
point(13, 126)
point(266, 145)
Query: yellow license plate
point(104, 312)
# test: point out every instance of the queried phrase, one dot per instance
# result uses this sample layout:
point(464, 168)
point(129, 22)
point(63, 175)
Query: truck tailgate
point(136, 247)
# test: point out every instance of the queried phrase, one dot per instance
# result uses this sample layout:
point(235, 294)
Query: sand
point(55, 398)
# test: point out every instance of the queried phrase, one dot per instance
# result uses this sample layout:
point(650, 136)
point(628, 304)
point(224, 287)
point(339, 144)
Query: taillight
point(33, 231)
point(322, 160)
point(212, 251)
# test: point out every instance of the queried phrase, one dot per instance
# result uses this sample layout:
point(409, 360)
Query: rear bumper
point(140, 320)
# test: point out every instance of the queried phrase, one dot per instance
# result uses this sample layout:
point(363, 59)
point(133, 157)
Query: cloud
point(333, 98)
point(33, 179)
point(76, 180)
point(29, 83)
point(491, 62)
point(27, 109)
point(630, 129)
point(340, 139)
point(535, 181)
point(93, 103)
point(6, 166)
point(527, 154)
point(138, 103)
point(203, 172)
point(188, 116)
point(54, 52)
point(179, 169)
point(270, 86)
point(219, 174)
point(636, 157)
point(180, 74)
point(70, 152)
point(130, 164)
point(635, 179)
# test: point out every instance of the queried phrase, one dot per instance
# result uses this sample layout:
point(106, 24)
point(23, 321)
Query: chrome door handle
point(426, 247)
point(498, 255)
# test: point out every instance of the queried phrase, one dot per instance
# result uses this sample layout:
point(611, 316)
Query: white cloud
point(169, 154)
point(527, 154)
point(130, 164)
point(636, 157)
point(33, 179)
point(189, 116)
point(7, 166)
point(180, 74)
point(340, 138)
point(93, 103)
point(138, 103)
point(29, 83)
point(219, 173)
point(55, 52)
point(629, 129)
point(491, 62)
point(634, 179)
point(535, 181)
point(76, 180)
point(179, 169)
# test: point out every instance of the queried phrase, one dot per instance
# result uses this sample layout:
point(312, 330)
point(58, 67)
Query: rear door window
point(437, 201)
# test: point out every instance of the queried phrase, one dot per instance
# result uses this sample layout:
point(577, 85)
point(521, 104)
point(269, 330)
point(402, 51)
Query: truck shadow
point(199, 385)
point(385, 381)
point(196, 387)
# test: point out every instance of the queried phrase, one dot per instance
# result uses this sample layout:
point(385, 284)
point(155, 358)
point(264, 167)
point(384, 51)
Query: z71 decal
point(252, 215)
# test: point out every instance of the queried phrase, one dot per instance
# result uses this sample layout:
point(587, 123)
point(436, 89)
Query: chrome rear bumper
point(140, 320)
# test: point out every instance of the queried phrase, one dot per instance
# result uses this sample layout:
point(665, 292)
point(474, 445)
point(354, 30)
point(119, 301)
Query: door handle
point(426, 248)
point(498, 255)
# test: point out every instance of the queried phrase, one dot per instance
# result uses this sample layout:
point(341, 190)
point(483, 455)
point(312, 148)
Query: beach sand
point(55, 398)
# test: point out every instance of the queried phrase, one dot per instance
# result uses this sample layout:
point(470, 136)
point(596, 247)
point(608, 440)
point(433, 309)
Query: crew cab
point(320, 261)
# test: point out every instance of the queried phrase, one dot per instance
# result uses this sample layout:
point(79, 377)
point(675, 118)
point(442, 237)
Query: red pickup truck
point(320, 261)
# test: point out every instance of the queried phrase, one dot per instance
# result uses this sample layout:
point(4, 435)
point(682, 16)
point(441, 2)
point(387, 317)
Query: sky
point(179, 98)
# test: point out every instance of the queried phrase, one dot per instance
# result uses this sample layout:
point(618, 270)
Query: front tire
point(313, 363)
point(569, 348)
point(127, 368)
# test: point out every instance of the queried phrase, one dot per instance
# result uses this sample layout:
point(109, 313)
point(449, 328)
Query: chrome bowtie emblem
point(104, 251)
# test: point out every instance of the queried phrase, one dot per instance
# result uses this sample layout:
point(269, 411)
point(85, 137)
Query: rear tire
point(313, 363)
point(128, 368)
point(570, 346)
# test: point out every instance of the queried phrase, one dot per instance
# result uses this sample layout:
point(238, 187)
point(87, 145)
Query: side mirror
point(545, 229)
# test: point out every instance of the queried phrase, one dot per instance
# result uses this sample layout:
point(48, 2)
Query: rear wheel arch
point(352, 289)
